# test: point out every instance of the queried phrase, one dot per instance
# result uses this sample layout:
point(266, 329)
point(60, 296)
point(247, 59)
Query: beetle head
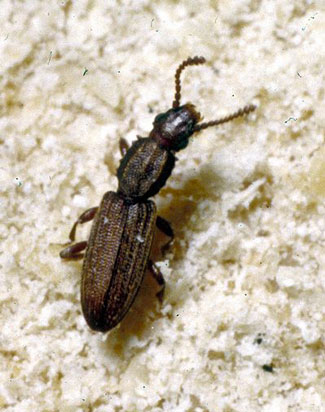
point(173, 128)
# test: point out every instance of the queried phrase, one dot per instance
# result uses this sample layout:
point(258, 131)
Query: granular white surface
point(241, 328)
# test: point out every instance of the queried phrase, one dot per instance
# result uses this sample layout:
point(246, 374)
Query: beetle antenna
point(190, 61)
point(241, 112)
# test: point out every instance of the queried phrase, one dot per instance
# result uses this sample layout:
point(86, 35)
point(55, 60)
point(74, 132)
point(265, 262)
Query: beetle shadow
point(206, 184)
point(146, 310)
point(138, 323)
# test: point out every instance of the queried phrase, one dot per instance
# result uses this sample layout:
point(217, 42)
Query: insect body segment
point(116, 258)
point(118, 249)
point(173, 128)
point(144, 170)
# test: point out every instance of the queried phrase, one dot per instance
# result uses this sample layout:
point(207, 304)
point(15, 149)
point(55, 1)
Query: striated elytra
point(118, 250)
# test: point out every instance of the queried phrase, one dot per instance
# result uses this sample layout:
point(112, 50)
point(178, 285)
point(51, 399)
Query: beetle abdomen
point(115, 260)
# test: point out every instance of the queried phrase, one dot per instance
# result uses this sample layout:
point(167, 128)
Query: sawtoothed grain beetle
point(118, 250)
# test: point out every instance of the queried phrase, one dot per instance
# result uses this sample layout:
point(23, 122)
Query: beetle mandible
point(118, 250)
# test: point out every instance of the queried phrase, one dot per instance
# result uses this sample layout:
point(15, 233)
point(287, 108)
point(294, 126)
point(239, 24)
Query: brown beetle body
point(144, 169)
point(118, 249)
point(115, 260)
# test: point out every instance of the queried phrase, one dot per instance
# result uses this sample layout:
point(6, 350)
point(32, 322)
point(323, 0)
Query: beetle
point(118, 250)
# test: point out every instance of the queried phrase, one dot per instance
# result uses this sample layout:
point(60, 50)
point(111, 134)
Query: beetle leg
point(159, 278)
point(164, 226)
point(73, 251)
point(124, 146)
point(83, 218)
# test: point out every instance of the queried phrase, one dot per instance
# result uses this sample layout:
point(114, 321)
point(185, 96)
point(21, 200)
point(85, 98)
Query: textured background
point(243, 320)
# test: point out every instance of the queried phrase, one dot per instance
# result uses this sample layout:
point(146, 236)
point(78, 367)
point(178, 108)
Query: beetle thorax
point(144, 170)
